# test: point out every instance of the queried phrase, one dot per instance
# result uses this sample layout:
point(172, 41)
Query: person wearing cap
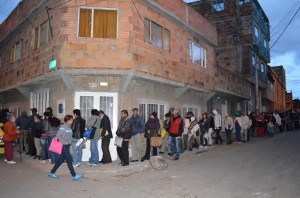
point(137, 125)
point(21, 122)
point(151, 128)
point(31, 146)
point(176, 131)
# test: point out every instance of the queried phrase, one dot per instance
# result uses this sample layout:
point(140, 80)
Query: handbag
point(56, 146)
point(118, 141)
point(90, 133)
point(155, 140)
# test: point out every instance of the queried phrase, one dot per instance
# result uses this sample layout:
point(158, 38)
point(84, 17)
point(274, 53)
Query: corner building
point(108, 55)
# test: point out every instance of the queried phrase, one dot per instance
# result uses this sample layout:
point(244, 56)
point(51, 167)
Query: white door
point(105, 101)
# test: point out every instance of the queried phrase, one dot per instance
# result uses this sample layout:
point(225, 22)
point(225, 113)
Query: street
point(266, 167)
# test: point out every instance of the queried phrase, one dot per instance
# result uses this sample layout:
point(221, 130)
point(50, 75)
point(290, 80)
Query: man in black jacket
point(78, 128)
point(22, 123)
point(106, 135)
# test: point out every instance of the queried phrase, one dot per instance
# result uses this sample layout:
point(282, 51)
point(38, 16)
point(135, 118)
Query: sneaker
point(11, 162)
point(76, 177)
point(52, 176)
point(200, 147)
point(95, 165)
point(75, 165)
point(43, 161)
point(5, 160)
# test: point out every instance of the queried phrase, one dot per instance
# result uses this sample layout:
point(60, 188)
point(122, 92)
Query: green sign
point(52, 64)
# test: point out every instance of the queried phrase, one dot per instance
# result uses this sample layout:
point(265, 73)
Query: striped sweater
point(64, 134)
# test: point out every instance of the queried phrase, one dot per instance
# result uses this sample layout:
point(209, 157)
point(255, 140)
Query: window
point(262, 67)
point(265, 42)
point(197, 54)
point(16, 52)
point(145, 109)
point(195, 110)
point(96, 23)
point(86, 106)
point(42, 34)
point(242, 2)
point(256, 31)
point(218, 5)
point(157, 35)
point(40, 100)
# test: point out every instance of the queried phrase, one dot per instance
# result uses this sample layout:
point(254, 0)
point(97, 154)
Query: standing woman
point(94, 121)
point(152, 127)
point(167, 126)
point(64, 135)
point(237, 126)
point(10, 136)
point(204, 127)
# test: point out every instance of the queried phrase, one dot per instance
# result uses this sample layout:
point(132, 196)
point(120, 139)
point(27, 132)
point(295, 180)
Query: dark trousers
point(123, 152)
point(248, 135)
point(148, 148)
point(219, 139)
point(188, 144)
point(65, 155)
point(31, 146)
point(228, 136)
point(105, 150)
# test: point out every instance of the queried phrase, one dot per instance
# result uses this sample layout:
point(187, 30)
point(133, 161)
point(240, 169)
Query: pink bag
point(56, 146)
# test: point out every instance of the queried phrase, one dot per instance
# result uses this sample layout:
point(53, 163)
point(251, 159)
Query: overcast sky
point(286, 52)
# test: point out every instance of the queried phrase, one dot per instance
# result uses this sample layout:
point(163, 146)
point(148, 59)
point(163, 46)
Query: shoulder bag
point(155, 140)
point(56, 146)
point(90, 132)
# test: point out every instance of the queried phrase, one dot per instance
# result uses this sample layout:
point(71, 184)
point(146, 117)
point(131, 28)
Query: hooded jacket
point(217, 119)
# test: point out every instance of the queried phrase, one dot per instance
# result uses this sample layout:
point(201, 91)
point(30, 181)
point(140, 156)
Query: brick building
point(243, 44)
point(289, 101)
point(279, 89)
point(108, 55)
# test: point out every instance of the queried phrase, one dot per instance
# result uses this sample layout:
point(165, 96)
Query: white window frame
point(147, 102)
point(192, 46)
point(218, 5)
point(40, 100)
point(191, 108)
point(92, 22)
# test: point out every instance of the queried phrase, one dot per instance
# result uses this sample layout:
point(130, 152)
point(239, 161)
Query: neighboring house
point(108, 55)
point(243, 44)
point(279, 89)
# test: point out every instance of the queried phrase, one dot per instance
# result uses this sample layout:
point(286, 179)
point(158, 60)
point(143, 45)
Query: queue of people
point(176, 134)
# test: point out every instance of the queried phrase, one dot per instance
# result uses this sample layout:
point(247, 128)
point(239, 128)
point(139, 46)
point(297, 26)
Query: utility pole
point(256, 80)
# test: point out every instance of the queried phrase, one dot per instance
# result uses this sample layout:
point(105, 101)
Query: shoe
point(11, 162)
point(52, 176)
point(124, 164)
point(76, 165)
point(95, 165)
point(171, 154)
point(43, 161)
point(200, 147)
point(134, 160)
point(143, 159)
point(161, 153)
point(100, 162)
point(174, 158)
point(5, 160)
point(106, 162)
point(76, 177)
point(35, 157)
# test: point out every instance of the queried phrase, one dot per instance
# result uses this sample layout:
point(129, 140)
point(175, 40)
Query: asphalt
point(263, 168)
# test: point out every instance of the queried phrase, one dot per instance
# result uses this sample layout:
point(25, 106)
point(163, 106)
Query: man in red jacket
point(176, 130)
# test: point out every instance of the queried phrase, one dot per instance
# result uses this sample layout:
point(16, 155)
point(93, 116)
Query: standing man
point(218, 125)
point(106, 135)
point(22, 123)
point(94, 121)
point(245, 125)
point(176, 131)
point(31, 147)
point(278, 121)
point(124, 132)
point(137, 129)
point(78, 127)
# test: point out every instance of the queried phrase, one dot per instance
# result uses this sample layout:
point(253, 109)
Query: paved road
point(264, 168)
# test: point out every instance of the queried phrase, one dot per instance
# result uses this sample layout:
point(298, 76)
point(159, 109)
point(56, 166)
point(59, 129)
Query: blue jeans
point(175, 148)
point(65, 155)
point(77, 153)
point(53, 156)
point(45, 147)
point(94, 159)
